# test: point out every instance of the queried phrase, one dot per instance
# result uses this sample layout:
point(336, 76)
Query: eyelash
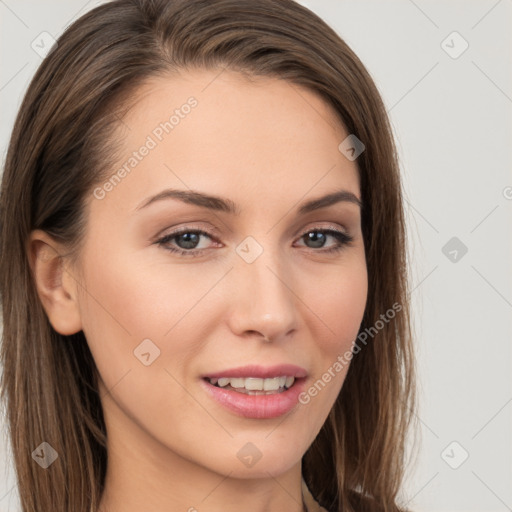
point(343, 239)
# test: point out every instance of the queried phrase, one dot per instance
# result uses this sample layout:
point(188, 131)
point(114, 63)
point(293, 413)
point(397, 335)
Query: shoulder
point(358, 503)
point(362, 503)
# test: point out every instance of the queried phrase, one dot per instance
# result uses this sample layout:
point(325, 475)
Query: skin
point(268, 146)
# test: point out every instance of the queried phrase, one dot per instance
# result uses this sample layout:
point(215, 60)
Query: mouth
point(258, 392)
point(253, 385)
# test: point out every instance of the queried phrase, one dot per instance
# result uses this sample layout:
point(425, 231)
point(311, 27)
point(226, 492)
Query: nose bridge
point(264, 297)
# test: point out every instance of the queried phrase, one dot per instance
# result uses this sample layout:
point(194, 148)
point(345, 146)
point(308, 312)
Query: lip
point(261, 372)
point(258, 406)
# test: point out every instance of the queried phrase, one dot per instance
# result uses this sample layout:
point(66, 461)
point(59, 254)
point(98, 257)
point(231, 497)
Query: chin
point(258, 459)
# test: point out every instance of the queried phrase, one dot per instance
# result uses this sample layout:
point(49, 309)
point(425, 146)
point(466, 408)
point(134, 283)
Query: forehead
point(261, 138)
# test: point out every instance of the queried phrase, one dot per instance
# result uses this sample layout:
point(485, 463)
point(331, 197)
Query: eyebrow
point(228, 206)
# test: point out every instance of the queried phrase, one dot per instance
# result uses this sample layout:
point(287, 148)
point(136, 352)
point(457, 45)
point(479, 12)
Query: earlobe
point(56, 287)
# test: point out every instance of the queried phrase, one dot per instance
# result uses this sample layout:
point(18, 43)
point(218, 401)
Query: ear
point(56, 286)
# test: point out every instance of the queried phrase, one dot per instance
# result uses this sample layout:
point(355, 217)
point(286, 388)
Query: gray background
point(452, 119)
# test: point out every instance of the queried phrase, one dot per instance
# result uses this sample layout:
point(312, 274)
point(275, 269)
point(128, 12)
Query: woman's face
point(163, 312)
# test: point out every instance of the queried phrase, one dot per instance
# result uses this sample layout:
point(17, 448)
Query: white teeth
point(254, 383)
point(237, 383)
point(272, 384)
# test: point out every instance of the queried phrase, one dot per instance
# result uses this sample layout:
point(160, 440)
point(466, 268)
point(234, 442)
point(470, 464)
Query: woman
point(203, 270)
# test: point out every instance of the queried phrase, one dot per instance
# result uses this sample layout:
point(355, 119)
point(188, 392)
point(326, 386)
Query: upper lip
point(262, 372)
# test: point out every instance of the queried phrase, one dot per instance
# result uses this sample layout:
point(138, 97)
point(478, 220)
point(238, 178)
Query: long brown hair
point(60, 149)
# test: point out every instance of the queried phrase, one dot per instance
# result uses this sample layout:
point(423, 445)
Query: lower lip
point(256, 406)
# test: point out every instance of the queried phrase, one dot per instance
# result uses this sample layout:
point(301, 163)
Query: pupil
point(317, 238)
point(190, 240)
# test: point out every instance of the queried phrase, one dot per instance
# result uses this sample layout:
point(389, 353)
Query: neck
point(143, 474)
point(132, 490)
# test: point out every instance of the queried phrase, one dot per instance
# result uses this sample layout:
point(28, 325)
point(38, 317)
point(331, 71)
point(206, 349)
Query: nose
point(262, 301)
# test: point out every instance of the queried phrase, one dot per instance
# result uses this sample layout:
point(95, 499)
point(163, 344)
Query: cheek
point(133, 314)
point(130, 301)
point(339, 305)
point(339, 301)
point(128, 295)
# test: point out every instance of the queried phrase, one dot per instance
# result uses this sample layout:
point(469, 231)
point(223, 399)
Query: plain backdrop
point(444, 71)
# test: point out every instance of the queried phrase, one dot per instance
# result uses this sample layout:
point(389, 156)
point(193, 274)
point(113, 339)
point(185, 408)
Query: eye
point(318, 237)
point(187, 240)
